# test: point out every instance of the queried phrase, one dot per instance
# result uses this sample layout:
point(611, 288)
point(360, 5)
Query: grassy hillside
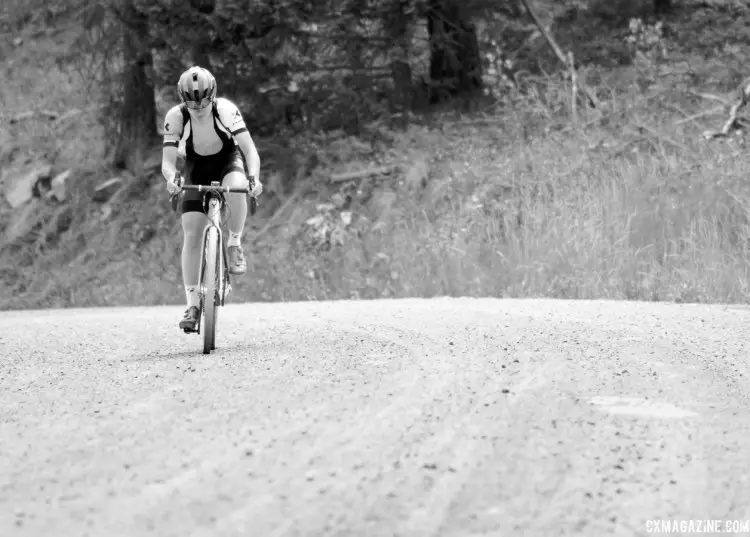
point(519, 199)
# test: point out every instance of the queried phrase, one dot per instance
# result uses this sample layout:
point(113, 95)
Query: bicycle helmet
point(197, 88)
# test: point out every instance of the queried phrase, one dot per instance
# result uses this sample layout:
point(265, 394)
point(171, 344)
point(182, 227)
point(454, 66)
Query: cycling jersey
point(205, 135)
point(210, 150)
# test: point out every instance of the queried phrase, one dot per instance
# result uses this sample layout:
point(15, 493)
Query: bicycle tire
point(210, 304)
point(221, 269)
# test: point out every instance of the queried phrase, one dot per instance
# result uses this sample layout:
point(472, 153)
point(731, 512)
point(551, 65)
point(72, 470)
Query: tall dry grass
point(638, 229)
point(589, 213)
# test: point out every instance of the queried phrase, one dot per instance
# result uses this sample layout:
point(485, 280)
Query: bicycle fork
point(224, 286)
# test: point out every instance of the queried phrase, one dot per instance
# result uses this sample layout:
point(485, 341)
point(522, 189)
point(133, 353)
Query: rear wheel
point(210, 302)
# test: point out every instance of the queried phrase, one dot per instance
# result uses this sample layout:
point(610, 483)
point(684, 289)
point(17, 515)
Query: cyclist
point(218, 147)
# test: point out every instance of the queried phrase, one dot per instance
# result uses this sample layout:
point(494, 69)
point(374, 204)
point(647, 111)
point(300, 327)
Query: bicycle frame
point(215, 202)
point(216, 206)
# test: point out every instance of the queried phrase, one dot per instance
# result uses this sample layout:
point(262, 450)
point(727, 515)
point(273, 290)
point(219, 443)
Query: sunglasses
point(199, 105)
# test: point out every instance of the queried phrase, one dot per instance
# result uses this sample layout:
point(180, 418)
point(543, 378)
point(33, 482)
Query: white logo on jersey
point(237, 118)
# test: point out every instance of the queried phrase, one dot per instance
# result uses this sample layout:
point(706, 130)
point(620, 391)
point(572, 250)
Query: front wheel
point(210, 284)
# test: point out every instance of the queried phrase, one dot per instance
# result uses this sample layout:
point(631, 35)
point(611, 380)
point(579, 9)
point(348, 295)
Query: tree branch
point(593, 101)
point(360, 174)
point(47, 114)
point(733, 122)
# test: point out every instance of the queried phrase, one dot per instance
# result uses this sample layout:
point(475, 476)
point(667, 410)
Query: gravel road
point(443, 417)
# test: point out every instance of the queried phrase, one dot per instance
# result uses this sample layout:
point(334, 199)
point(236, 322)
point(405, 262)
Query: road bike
point(214, 284)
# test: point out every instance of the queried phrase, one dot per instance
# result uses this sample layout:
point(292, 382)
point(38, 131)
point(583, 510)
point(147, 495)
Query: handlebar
point(207, 188)
point(210, 188)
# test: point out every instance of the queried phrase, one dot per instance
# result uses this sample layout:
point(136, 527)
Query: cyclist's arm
point(250, 152)
point(172, 134)
point(169, 162)
point(232, 117)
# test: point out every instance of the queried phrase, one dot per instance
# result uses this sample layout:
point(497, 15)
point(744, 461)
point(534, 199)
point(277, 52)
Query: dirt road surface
point(443, 417)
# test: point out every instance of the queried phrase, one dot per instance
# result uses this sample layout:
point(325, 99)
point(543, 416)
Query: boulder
point(58, 190)
point(20, 190)
point(23, 220)
point(52, 188)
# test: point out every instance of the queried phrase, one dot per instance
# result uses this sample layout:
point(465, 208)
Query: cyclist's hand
point(256, 188)
point(174, 185)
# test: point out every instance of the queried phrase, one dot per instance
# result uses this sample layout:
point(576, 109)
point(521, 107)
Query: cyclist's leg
point(193, 225)
point(234, 176)
point(237, 204)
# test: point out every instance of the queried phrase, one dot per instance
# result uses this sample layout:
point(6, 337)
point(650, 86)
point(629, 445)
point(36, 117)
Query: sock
point(191, 293)
point(234, 238)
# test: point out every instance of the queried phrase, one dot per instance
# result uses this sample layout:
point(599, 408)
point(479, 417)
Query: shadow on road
point(355, 343)
point(160, 356)
point(231, 349)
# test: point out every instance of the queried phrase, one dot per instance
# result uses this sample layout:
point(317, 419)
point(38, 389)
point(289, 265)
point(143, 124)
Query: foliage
point(314, 65)
point(567, 215)
point(514, 201)
point(646, 39)
point(297, 64)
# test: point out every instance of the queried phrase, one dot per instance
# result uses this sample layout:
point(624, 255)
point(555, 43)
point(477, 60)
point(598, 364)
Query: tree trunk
point(201, 40)
point(662, 7)
point(455, 66)
point(358, 83)
point(398, 25)
point(200, 47)
point(138, 119)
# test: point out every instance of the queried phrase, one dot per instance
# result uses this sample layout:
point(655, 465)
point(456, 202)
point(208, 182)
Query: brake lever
point(253, 199)
point(173, 200)
point(174, 197)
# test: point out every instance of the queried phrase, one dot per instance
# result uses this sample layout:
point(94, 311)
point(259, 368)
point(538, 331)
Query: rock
point(20, 190)
point(107, 189)
point(58, 191)
point(23, 220)
point(51, 188)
